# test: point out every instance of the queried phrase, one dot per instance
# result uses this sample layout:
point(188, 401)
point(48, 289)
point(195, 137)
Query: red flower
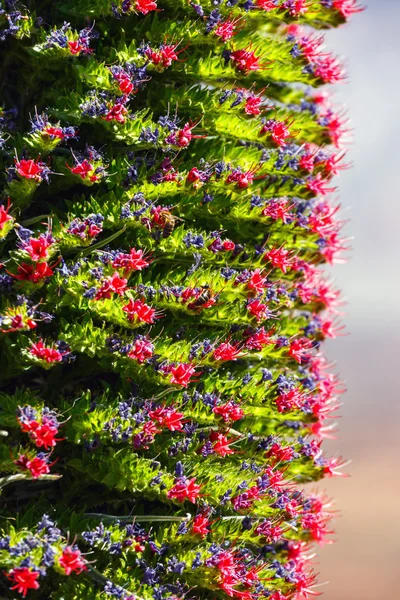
point(266, 4)
point(4, 216)
point(168, 55)
point(46, 353)
point(113, 284)
point(168, 418)
point(275, 477)
point(44, 435)
point(181, 374)
point(173, 420)
point(34, 272)
point(278, 130)
point(259, 340)
point(145, 6)
point(71, 561)
point(125, 84)
point(257, 309)
point(252, 106)
point(318, 186)
point(75, 47)
point(289, 400)
point(184, 136)
point(280, 258)
point(332, 165)
point(332, 465)
point(228, 245)
point(137, 308)
point(37, 248)
point(56, 132)
point(256, 282)
point(329, 69)
point(24, 579)
point(83, 169)
point(347, 7)
point(221, 444)
point(142, 350)
point(134, 261)
point(298, 350)
point(200, 525)
point(317, 527)
point(226, 351)
point(29, 169)
point(229, 412)
point(278, 209)
point(306, 162)
point(38, 466)
point(245, 60)
point(116, 113)
point(278, 596)
point(20, 322)
point(185, 490)
point(268, 531)
point(280, 453)
point(226, 29)
point(296, 7)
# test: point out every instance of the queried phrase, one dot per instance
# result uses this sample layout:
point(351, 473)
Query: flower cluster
point(70, 42)
point(29, 555)
point(47, 355)
point(88, 167)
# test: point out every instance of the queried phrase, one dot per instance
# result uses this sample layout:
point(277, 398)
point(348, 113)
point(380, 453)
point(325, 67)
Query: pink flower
point(38, 248)
point(200, 526)
point(37, 467)
point(258, 340)
point(271, 533)
point(226, 351)
point(257, 309)
point(168, 418)
point(296, 7)
point(256, 282)
point(221, 444)
point(46, 353)
point(24, 579)
point(134, 261)
point(117, 113)
point(142, 350)
point(181, 374)
point(185, 489)
point(226, 29)
point(299, 349)
point(29, 169)
point(280, 258)
point(145, 6)
point(34, 273)
point(140, 310)
point(4, 216)
point(347, 7)
point(71, 561)
point(252, 106)
point(245, 60)
point(278, 130)
point(229, 412)
point(266, 4)
point(112, 285)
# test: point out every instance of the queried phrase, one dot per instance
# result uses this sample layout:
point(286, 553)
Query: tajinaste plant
point(167, 168)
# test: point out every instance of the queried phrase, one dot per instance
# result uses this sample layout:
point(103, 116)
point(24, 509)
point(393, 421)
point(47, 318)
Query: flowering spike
point(166, 219)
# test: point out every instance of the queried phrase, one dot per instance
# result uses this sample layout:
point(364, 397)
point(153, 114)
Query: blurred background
point(363, 563)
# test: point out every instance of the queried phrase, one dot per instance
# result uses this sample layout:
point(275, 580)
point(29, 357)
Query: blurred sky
point(363, 563)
